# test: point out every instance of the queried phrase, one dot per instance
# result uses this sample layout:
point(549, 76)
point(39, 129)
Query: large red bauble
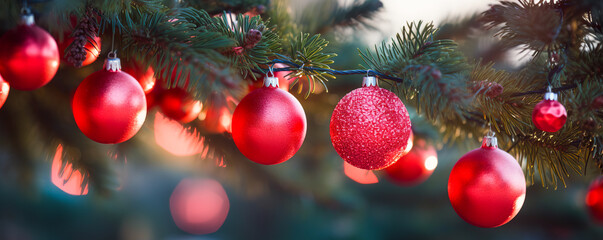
point(549, 115)
point(92, 50)
point(29, 58)
point(487, 187)
point(370, 128)
point(109, 106)
point(199, 206)
point(144, 75)
point(177, 104)
point(269, 125)
point(4, 88)
point(414, 167)
point(594, 200)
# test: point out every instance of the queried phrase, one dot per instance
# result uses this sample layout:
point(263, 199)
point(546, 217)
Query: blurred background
point(308, 197)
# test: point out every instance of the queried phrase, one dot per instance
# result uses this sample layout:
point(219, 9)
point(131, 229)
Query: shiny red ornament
point(109, 106)
point(92, 50)
point(4, 89)
point(594, 200)
point(199, 206)
point(549, 115)
point(145, 75)
point(30, 56)
point(269, 124)
point(370, 127)
point(487, 187)
point(414, 167)
point(178, 104)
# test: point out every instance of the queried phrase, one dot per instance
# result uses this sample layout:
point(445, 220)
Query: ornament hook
point(112, 54)
point(270, 70)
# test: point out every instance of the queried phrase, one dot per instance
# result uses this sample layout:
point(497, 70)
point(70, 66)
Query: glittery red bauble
point(4, 88)
point(269, 125)
point(487, 187)
point(414, 167)
point(144, 75)
point(109, 106)
point(594, 200)
point(92, 50)
point(549, 115)
point(370, 128)
point(29, 58)
point(178, 104)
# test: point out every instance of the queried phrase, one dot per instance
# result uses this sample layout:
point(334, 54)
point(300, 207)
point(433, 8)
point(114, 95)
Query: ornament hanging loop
point(490, 140)
point(26, 17)
point(270, 81)
point(550, 95)
point(271, 71)
point(112, 54)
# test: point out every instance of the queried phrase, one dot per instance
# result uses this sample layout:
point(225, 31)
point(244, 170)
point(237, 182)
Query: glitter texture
point(370, 128)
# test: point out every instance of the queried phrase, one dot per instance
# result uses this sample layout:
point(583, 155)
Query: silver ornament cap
point(27, 19)
point(369, 81)
point(550, 95)
point(490, 140)
point(112, 64)
point(271, 82)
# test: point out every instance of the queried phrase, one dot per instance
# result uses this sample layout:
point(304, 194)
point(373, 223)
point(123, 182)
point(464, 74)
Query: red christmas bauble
point(414, 167)
point(199, 206)
point(92, 50)
point(109, 106)
point(4, 88)
point(269, 125)
point(594, 200)
point(30, 56)
point(549, 115)
point(144, 75)
point(370, 128)
point(177, 104)
point(487, 187)
point(218, 116)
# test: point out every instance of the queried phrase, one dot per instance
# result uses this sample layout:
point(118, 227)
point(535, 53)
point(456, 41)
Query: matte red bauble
point(92, 50)
point(594, 200)
point(549, 115)
point(4, 88)
point(30, 57)
point(414, 167)
point(486, 186)
point(178, 104)
point(109, 106)
point(199, 206)
point(370, 127)
point(143, 74)
point(269, 124)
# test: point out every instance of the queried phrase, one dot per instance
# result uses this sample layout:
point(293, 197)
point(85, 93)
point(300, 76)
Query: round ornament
point(92, 50)
point(370, 127)
point(4, 88)
point(143, 74)
point(269, 124)
point(414, 167)
point(30, 57)
point(486, 186)
point(549, 115)
point(178, 104)
point(217, 118)
point(109, 106)
point(594, 200)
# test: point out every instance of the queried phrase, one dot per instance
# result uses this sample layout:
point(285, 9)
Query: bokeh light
point(69, 180)
point(359, 175)
point(199, 206)
point(174, 138)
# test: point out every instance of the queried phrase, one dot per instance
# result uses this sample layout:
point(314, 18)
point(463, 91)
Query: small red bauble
point(177, 104)
point(109, 106)
point(370, 127)
point(594, 200)
point(269, 124)
point(144, 75)
point(414, 167)
point(4, 88)
point(486, 186)
point(92, 50)
point(30, 57)
point(199, 206)
point(549, 115)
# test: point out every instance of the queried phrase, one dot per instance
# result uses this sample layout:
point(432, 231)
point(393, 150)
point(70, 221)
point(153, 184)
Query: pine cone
point(88, 26)
point(253, 37)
